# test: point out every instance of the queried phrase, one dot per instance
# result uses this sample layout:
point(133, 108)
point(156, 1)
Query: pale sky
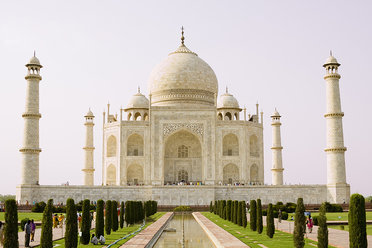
point(266, 51)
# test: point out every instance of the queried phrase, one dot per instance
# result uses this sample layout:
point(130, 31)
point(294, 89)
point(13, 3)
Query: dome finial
point(182, 37)
point(34, 53)
point(330, 52)
point(139, 89)
point(227, 90)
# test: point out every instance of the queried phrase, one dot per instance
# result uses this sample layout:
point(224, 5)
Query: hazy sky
point(266, 51)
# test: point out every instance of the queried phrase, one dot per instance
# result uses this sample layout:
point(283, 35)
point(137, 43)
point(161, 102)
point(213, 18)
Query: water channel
point(188, 234)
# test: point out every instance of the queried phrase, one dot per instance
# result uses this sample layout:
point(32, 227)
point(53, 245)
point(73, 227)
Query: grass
point(346, 228)
point(335, 216)
point(22, 215)
point(253, 239)
point(115, 235)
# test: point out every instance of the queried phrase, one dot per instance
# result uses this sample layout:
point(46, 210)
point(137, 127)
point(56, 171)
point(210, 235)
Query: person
point(280, 216)
point(309, 223)
point(1, 233)
point(79, 221)
point(94, 240)
point(27, 233)
point(60, 220)
point(55, 221)
point(33, 228)
point(102, 240)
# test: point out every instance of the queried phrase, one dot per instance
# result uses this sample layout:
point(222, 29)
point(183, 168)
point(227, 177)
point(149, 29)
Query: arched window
point(137, 116)
point(253, 144)
point(135, 174)
point(183, 176)
point(230, 174)
point(183, 151)
point(254, 173)
point(228, 116)
point(135, 145)
point(111, 146)
point(129, 116)
point(146, 117)
point(111, 175)
point(219, 116)
point(230, 145)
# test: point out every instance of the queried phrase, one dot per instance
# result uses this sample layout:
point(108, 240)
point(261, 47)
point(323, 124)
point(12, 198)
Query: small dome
point(34, 61)
point(138, 101)
point(89, 114)
point(331, 61)
point(275, 114)
point(227, 101)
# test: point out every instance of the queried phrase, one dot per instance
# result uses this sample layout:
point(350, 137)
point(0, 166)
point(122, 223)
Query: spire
point(34, 53)
point(227, 90)
point(330, 52)
point(182, 37)
point(139, 90)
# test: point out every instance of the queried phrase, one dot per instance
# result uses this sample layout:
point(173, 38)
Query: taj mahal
point(185, 143)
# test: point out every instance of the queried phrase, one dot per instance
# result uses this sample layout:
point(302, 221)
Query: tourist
point(27, 233)
point(94, 240)
point(309, 223)
point(60, 220)
point(33, 228)
point(102, 240)
point(280, 216)
point(55, 221)
point(79, 221)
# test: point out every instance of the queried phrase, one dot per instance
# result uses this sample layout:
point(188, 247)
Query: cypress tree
point(127, 213)
point(71, 236)
point(85, 223)
point(270, 227)
point(100, 219)
point(244, 221)
point(108, 219)
point(224, 209)
point(215, 207)
point(122, 214)
point(240, 214)
point(228, 210)
point(357, 222)
point(322, 228)
point(233, 213)
point(115, 224)
point(259, 217)
point(46, 238)
point(253, 215)
point(11, 224)
point(300, 224)
point(236, 212)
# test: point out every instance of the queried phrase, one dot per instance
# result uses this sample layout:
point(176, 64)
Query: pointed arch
point(137, 116)
point(111, 175)
point(253, 145)
point(135, 145)
point(254, 173)
point(135, 174)
point(230, 145)
point(228, 116)
point(145, 117)
point(219, 116)
point(111, 146)
point(230, 174)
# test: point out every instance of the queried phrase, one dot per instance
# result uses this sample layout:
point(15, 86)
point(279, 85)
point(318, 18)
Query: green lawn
point(116, 235)
point(346, 228)
point(252, 239)
point(335, 216)
point(22, 215)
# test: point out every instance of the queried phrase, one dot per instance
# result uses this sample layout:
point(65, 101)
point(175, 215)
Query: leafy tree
point(244, 217)
point(270, 227)
point(122, 214)
point(46, 239)
point(85, 223)
point(322, 228)
point(71, 236)
point(228, 210)
point(115, 224)
point(300, 224)
point(253, 215)
point(240, 214)
point(11, 224)
point(100, 219)
point(108, 219)
point(259, 217)
point(357, 222)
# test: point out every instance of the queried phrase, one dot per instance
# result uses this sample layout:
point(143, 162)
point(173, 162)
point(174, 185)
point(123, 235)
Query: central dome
point(182, 78)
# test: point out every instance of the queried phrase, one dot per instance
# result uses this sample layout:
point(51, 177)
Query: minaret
point(338, 190)
point(277, 170)
point(30, 150)
point(89, 150)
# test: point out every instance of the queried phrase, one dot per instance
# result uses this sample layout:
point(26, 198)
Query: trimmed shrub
point(211, 207)
point(11, 224)
point(115, 224)
point(108, 217)
point(71, 236)
point(239, 220)
point(215, 207)
point(315, 220)
point(275, 213)
point(100, 219)
point(264, 212)
point(122, 214)
point(182, 209)
point(228, 210)
point(244, 217)
point(85, 223)
point(38, 207)
point(224, 209)
point(23, 223)
point(253, 215)
point(284, 215)
point(300, 225)
point(259, 217)
point(46, 239)
point(357, 222)
point(323, 229)
point(270, 228)
point(127, 212)
point(290, 207)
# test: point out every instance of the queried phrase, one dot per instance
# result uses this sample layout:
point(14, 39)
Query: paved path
point(145, 236)
point(219, 237)
point(337, 238)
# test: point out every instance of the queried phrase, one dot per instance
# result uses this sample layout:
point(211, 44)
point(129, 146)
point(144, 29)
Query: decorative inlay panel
point(169, 128)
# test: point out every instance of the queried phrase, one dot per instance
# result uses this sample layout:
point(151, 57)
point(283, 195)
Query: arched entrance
point(111, 175)
point(254, 173)
point(135, 174)
point(230, 174)
point(182, 158)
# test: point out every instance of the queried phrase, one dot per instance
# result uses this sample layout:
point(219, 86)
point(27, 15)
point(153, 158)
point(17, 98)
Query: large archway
point(135, 145)
point(230, 174)
point(230, 145)
point(135, 174)
point(254, 173)
point(111, 175)
point(183, 158)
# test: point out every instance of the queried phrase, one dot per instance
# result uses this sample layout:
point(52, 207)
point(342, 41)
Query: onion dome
point(182, 78)
point(275, 114)
point(34, 61)
point(227, 101)
point(138, 101)
point(331, 61)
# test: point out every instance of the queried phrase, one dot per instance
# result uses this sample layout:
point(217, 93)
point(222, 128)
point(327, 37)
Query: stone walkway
point(219, 237)
point(145, 236)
